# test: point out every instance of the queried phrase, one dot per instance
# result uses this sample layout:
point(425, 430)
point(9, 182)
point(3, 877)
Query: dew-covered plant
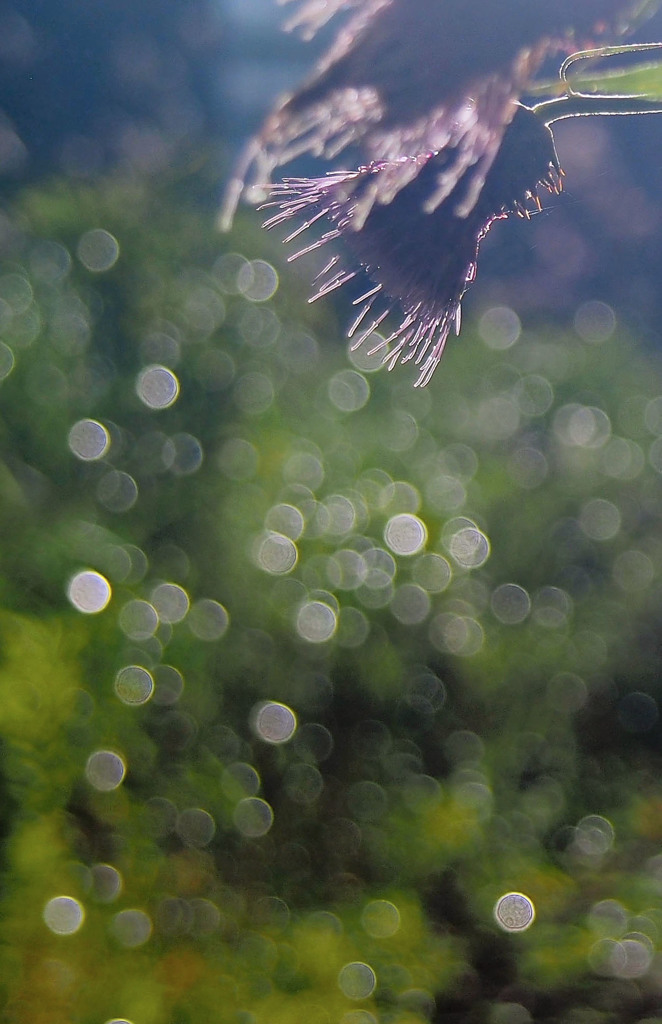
point(427, 94)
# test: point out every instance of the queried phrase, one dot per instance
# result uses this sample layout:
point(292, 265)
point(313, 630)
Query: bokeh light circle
point(208, 619)
point(353, 627)
point(410, 604)
point(117, 491)
point(7, 360)
point(274, 722)
point(514, 912)
point(253, 817)
point(638, 712)
point(157, 387)
point(169, 684)
point(510, 604)
point(456, 634)
point(98, 250)
point(170, 601)
point(469, 547)
point(432, 572)
point(303, 783)
point(89, 591)
point(63, 915)
point(286, 520)
point(196, 827)
point(348, 390)
point(357, 980)
point(105, 770)
point(405, 534)
point(358, 1017)
point(595, 322)
point(600, 519)
point(316, 622)
point(182, 454)
point(500, 327)
point(239, 780)
point(134, 684)
point(276, 554)
point(89, 440)
point(138, 620)
point(131, 928)
point(257, 280)
point(107, 882)
point(380, 919)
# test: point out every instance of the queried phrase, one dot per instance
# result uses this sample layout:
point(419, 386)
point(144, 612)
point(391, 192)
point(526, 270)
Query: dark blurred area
point(601, 239)
point(315, 688)
point(86, 87)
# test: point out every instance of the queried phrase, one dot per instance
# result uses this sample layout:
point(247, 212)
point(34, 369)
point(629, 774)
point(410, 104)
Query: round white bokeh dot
point(138, 620)
point(595, 322)
point(63, 915)
point(358, 1017)
point(510, 604)
point(105, 770)
point(257, 280)
point(500, 327)
point(131, 928)
point(274, 722)
point(89, 592)
point(410, 604)
point(277, 554)
point(432, 572)
point(285, 520)
point(240, 780)
point(107, 883)
point(171, 602)
point(380, 919)
point(357, 980)
point(469, 547)
point(600, 519)
point(157, 387)
point(514, 912)
point(7, 360)
point(89, 440)
point(196, 827)
point(134, 684)
point(316, 622)
point(348, 390)
point(169, 684)
point(117, 491)
point(253, 817)
point(405, 534)
point(98, 250)
point(208, 620)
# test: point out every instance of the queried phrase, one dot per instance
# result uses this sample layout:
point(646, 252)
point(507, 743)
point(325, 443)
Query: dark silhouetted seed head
point(425, 96)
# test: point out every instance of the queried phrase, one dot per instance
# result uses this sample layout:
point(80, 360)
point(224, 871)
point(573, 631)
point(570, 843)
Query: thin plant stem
point(582, 105)
point(596, 54)
point(575, 103)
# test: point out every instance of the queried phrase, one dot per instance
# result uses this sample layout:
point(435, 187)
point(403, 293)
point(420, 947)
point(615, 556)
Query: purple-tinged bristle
point(421, 263)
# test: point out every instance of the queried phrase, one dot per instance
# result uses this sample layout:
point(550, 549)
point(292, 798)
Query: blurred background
point(322, 699)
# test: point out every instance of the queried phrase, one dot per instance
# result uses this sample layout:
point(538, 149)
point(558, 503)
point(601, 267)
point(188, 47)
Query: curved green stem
point(581, 105)
point(596, 54)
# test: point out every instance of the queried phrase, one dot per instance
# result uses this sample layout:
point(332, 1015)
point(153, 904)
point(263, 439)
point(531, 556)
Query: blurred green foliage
point(457, 592)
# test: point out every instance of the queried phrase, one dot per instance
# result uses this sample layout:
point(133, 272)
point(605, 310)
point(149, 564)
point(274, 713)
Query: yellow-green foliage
point(424, 773)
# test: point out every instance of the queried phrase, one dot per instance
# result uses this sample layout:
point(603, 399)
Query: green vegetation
point(456, 590)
